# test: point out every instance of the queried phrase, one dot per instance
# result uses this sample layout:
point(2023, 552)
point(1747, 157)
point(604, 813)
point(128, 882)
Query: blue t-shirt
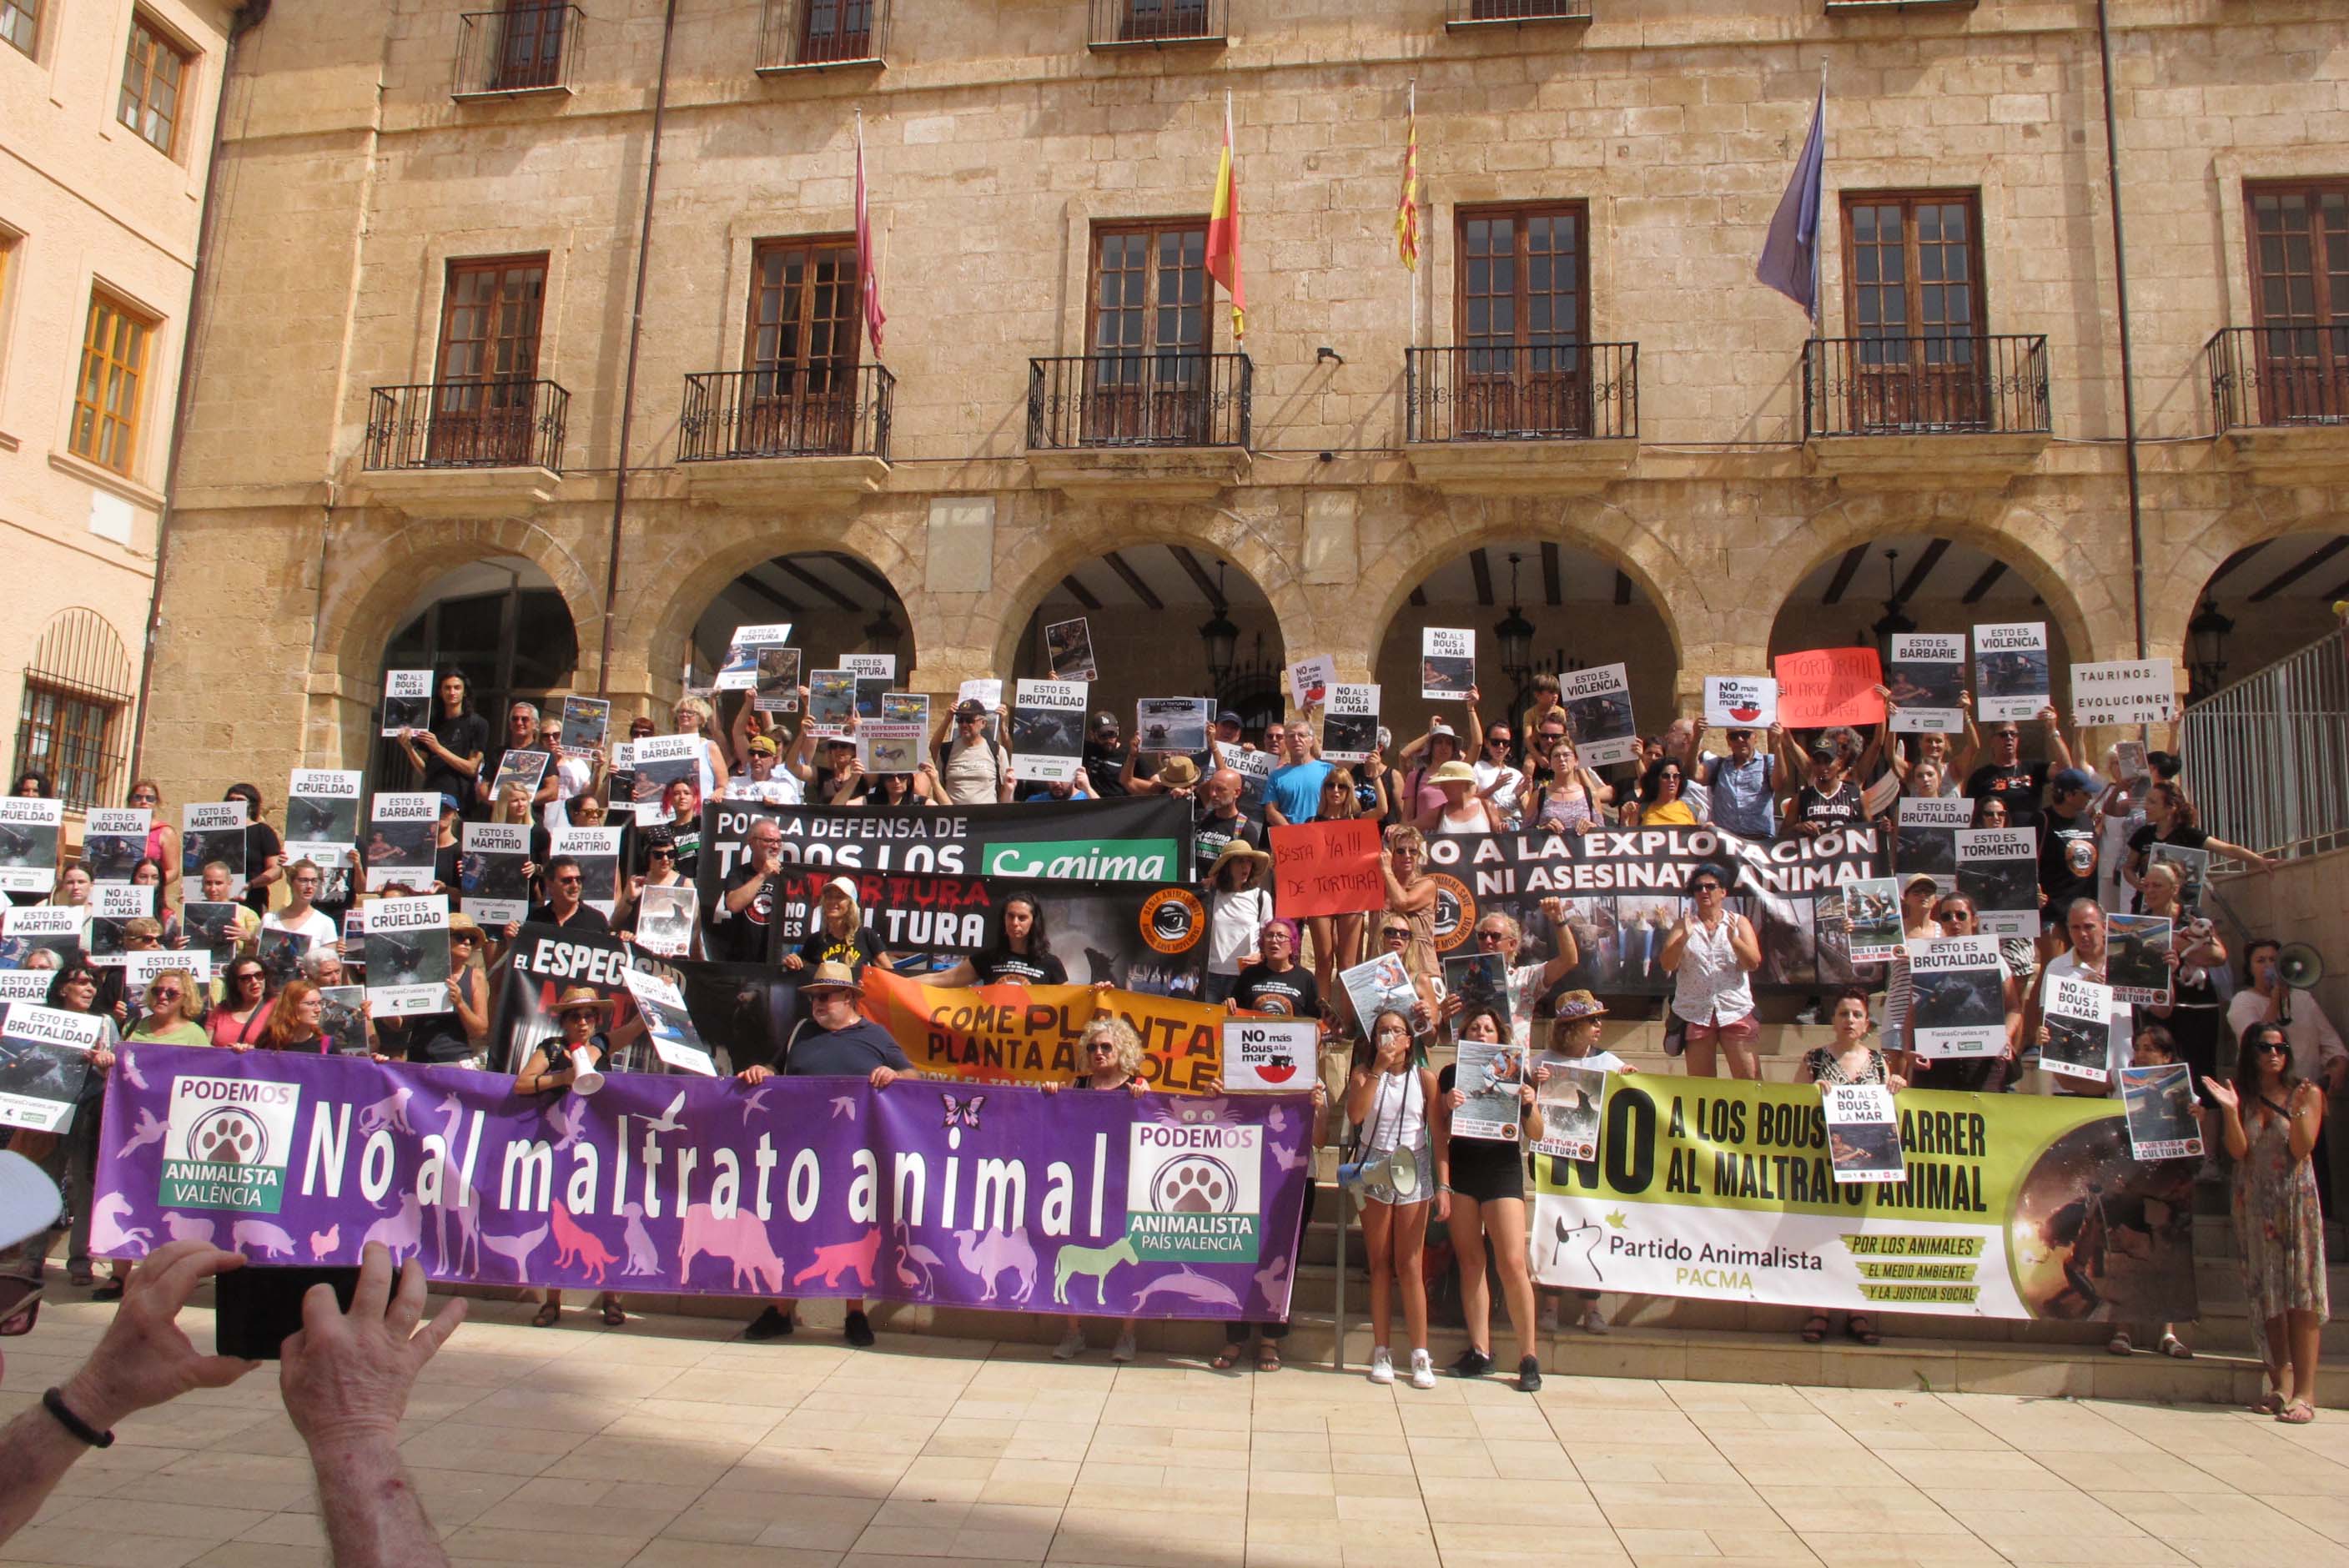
point(1296, 790)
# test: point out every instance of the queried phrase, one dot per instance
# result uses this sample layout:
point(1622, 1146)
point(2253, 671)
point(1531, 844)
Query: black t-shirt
point(743, 935)
point(2145, 838)
point(856, 950)
point(445, 863)
point(432, 1036)
point(2022, 786)
point(1837, 809)
point(1104, 767)
point(1002, 964)
point(1290, 992)
point(1213, 833)
point(465, 735)
point(261, 841)
point(2067, 857)
point(588, 921)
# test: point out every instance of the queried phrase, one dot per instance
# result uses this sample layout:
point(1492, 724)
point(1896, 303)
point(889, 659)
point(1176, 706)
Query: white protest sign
point(29, 830)
point(1447, 662)
point(2078, 1016)
point(1597, 703)
point(1926, 677)
point(1741, 702)
point(1349, 723)
point(1959, 1006)
point(2123, 691)
point(408, 956)
point(667, 1024)
point(1048, 725)
point(1271, 1053)
point(1863, 1132)
point(1998, 868)
point(1310, 680)
point(44, 1061)
point(407, 699)
point(2011, 676)
point(495, 893)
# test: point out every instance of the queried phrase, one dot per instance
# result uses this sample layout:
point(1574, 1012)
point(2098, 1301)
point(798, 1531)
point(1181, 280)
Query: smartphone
point(256, 1308)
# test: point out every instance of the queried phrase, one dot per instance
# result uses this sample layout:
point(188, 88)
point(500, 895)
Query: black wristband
point(54, 1402)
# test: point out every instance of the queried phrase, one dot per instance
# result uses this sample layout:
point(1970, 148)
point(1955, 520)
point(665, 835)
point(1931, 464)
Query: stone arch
point(2178, 571)
point(2080, 592)
point(373, 579)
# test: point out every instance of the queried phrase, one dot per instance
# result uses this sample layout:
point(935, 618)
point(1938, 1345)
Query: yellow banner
point(1012, 1032)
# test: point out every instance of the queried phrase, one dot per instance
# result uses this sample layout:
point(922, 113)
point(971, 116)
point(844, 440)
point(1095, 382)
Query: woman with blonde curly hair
point(171, 1011)
point(693, 718)
point(1111, 1053)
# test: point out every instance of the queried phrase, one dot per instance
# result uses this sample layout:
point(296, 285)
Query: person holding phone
point(1710, 952)
point(580, 1015)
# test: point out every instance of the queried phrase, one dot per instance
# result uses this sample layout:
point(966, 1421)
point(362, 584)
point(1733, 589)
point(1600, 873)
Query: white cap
point(841, 886)
point(29, 1202)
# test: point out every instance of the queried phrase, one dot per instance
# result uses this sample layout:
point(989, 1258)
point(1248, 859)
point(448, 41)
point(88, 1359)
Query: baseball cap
point(29, 1201)
point(970, 708)
point(2074, 778)
point(1440, 728)
point(765, 743)
point(1227, 717)
point(450, 804)
point(1105, 723)
point(1823, 750)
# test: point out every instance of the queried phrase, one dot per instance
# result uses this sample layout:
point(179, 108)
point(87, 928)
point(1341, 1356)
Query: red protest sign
point(1828, 686)
point(1327, 868)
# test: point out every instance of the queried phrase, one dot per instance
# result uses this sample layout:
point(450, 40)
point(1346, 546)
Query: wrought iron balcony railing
point(1553, 392)
point(1121, 23)
point(811, 35)
point(1139, 400)
point(521, 48)
point(1459, 14)
point(468, 425)
point(812, 411)
point(2270, 376)
point(1925, 385)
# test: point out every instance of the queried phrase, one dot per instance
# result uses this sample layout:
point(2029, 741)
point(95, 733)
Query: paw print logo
point(228, 1137)
point(1193, 1184)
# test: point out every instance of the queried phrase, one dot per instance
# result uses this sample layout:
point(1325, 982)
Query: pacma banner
point(2004, 1206)
point(1624, 888)
point(1091, 1203)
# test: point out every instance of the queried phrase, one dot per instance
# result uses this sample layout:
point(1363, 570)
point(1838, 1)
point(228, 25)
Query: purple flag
point(967, 1194)
point(1790, 255)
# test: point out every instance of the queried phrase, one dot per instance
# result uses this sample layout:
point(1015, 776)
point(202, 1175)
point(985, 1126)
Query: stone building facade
point(1002, 137)
point(106, 116)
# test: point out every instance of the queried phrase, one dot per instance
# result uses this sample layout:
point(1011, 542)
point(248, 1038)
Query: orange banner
point(1012, 1032)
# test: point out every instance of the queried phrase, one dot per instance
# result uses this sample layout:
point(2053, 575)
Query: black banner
point(1624, 888)
point(745, 1009)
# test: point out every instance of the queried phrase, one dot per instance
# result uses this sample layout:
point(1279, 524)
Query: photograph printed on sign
point(2193, 869)
point(113, 907)
point(408, 956)
point(1380, 984)
point(2011, 671)
point(519, 770)
point(407, 700)
point(29, 831)
point(342, 1018)
point(1047, 730)
point(883, 746)
point(1349, 723)
point(1068, 651)
point(1863, 1132)
point(777, 687)
point(907, 708)
point(1872, 917)
point(338, 866)
point(2078, 1017)
point(280, 955)
point(1479, 980)
point(663, 767)
point(585, 720)
point(1447, 663)
point(669, 1023)
point(113, 842)
point(1492, 1074)
point(491, 855)
point(2130, 768)
point(832, 698)
point(1960, 1003)
point(744, 652)
point(2137, 958)
point(1310, 681)
point(2164, 1120)
point(1275, 1054)
point(1998, 868)
point(597, 850)
point(1572, 1100)
point(212, 928)
point(1925, 835)
point(45, 1065)
point(1926, 677)
point(665, 917)
point(1172, 726)
point(1741, 702)
point(1597, 704)
point(401, 832)
point(214, 830)
point(323, 804)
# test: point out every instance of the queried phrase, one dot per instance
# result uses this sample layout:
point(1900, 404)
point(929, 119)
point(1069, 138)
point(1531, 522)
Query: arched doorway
point(2265, 601)
point(835, 604)
point(1167, 619)
point(503, 623)
point(1537, 607)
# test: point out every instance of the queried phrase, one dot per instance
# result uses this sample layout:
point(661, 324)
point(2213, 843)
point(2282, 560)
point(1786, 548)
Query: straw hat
point(1576, 1005)
point(833, 976)
point(1178, 772)
point(1453, 773)
point(1236, 850)
point(576, 998)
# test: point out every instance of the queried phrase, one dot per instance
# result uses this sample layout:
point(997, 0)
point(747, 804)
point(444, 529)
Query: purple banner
point(1162, 1206)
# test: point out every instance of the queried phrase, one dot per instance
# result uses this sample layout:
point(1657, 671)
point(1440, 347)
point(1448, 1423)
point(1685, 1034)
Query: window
point(1522, 307)
point(108, 394)
point(530, 46)
point(1142, 21)
point(20, 23)
point(489, 360)
point(75, 689)
point(1151, 331)
point(836, 30)
point(1912, 262)
point(152, 72)
point(2300, 299)
point(800, 347)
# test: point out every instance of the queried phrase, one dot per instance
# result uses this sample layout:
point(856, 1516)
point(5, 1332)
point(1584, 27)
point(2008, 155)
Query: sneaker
point(1381, 1365)
point(772, 1324)
point(1072, 1346)
point(1472, 1363)
point(1529, 1374)
point(1593, 1320)
point(1548, 1314)
point(1124, 1349)
point(857, 1330)
point(1423, 1370)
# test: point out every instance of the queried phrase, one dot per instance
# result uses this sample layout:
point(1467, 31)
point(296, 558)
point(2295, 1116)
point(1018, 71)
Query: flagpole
point(1816, 302)
point(1410, 274)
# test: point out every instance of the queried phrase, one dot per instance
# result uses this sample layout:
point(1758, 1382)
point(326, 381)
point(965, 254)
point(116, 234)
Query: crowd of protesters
point(2230, 1014)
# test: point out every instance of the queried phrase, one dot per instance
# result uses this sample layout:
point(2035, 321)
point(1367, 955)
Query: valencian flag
point(868, 281)
point(1407, 206)
point(1224, 230)
point(1790, 255)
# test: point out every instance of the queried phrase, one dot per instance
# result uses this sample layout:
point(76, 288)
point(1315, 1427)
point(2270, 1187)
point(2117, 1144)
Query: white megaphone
point(1397, 1170)
point(584, 1079)
point(2299, 965)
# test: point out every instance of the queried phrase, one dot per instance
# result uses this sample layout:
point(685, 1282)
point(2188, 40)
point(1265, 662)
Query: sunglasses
point(569, 881)
point(1705, 887)
point(20, 1304)
point(660, 854)
point(1497, 740)
point(465, 936)
point(1100, 1048)
point(171, 995)
point(254, 975)
point(1492, 936)
point(1399, 932)
point(2265, 1046)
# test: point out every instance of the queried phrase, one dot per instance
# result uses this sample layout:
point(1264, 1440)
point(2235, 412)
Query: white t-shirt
point(320, 928)
point(571, 775)
point(1233, 921)
point(1505, 799)
point(779, 788)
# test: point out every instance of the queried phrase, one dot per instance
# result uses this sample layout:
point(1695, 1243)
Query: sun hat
point(1578, 1004)
point(576, 997)
point(1452, 773)
point(1178, 772)
point(832, 976)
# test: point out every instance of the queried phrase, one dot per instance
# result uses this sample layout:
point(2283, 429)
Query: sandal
point(612, 1316)
point(1861, 1330)
point(110, 1291)
point(2120, 1343)
point(2299, 1413)
point(1815, 1329)
point(544, 1317)
point(1229, 1359)
point(2268, 1404)
point(2171, 1344)
point(1267, 1357)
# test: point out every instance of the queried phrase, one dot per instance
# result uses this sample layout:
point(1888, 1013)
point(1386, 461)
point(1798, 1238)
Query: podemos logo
point(228, 1143)
point(1192, 1190)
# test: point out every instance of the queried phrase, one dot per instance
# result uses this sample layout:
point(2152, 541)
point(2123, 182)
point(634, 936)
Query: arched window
point(71, 721)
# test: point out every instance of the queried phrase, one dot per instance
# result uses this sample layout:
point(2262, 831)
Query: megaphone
point(2300, 965)
point(584, 1079)
point(1397, 1170)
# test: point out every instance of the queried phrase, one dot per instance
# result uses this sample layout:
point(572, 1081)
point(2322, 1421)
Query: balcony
point(810, 434)
point(1154, 24)
point(1474, 16)
point(1522, 417)
point(449, 448)
point(2279, 398)
point(1916, 410)
point(1165, 425)
point(1866, 7)
point(521, 51)
point(822, 35)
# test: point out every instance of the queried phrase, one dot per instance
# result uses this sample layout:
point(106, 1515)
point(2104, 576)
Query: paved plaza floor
point(671, 1444)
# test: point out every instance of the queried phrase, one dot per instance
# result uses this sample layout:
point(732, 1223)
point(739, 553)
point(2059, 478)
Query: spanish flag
point(1223, 231)
point(1407, 206)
